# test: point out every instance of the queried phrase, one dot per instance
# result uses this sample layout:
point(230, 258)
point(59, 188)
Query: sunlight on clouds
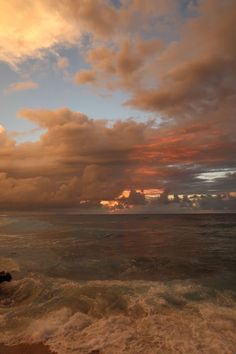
point(29, 27)
point(21, 86)
point(154, 57)
point(212, 176)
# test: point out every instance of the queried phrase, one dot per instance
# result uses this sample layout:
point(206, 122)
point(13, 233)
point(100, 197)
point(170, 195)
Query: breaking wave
point(118, 316)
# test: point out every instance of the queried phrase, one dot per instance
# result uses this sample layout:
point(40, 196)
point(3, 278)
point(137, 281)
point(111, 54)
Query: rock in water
point(4, 276)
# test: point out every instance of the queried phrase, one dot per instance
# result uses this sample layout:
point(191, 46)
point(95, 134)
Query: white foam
point(9, 264)
point(171, 331)
point(157, 319)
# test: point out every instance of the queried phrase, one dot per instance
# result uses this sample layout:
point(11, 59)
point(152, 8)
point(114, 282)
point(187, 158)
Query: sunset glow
point(117, 176)
point(91, 110)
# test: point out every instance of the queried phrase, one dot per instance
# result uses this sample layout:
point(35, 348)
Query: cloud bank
point(81, 159)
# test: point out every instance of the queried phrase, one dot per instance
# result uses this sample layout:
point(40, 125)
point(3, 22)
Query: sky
point(100, 97)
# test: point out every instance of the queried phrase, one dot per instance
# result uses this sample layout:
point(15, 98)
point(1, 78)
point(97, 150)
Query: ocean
point(115, 284)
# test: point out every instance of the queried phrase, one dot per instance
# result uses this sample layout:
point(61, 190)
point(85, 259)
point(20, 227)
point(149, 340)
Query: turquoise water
point(120, 283)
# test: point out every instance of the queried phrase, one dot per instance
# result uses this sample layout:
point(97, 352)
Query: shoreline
point(24, 348)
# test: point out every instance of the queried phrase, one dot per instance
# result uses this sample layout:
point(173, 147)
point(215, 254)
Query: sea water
point(119, 283)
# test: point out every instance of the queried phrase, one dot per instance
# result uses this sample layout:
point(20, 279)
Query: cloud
point(36, 192)
point(183, 70)
point(177, 63)
point(197, 73)
point(120, 68)
point(80, 159)
point(29, 28)
point(85, 77)
point(64, 154)
point(63, 63)
point(189, 80)
point(174, 60)
point(21, 86)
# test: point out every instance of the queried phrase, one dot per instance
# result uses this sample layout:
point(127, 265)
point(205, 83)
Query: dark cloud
point(80, 159)
point(76, 159)
point(198, 73)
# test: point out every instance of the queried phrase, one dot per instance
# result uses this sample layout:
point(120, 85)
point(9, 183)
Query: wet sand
point(37, 348)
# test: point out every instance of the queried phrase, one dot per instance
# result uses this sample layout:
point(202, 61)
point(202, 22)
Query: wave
point(118, 316)
point(10, 264)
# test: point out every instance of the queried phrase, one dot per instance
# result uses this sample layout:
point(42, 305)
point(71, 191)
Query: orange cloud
point(63, 63)
point(22, 86)
point(29, 28)
point(182, 69)
point(120, 68)
point(64, 168)
point(64, 162)
point(197, 73)
point(63, 23)
point(85, 77)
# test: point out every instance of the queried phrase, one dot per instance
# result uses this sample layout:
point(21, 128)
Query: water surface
point(120, 283)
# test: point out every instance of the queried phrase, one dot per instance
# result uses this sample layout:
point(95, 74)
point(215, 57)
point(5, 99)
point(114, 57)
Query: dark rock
point(4, 276)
